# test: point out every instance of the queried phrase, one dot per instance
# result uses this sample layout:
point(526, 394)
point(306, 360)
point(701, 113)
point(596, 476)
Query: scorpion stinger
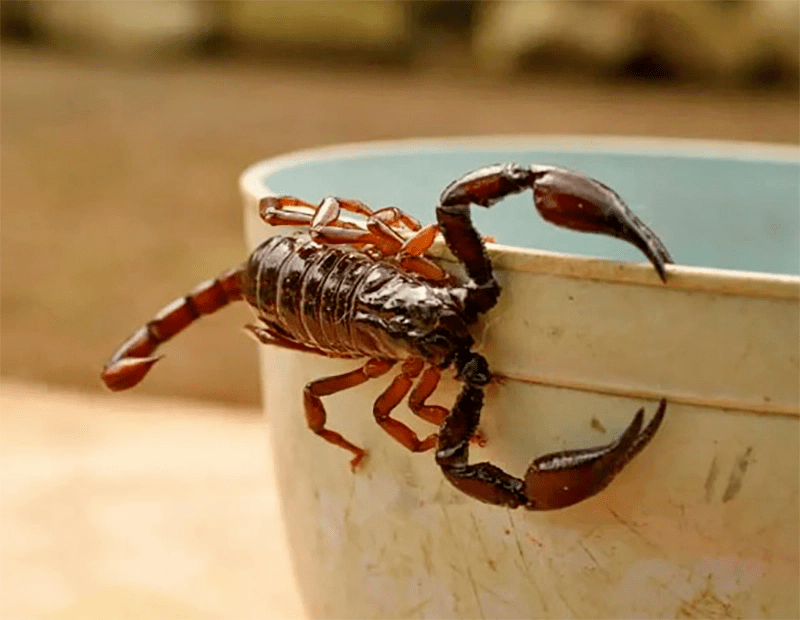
point(134, 358)
point(562, 196)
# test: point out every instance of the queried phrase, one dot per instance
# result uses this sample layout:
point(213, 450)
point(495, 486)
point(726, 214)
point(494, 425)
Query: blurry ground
point(137, 509)
point(118, 185)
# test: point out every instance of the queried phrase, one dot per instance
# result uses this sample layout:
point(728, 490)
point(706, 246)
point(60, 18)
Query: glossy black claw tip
point(645, 239)
point(647, 434)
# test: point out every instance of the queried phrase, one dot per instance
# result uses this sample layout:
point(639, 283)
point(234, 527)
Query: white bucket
point(703, 523)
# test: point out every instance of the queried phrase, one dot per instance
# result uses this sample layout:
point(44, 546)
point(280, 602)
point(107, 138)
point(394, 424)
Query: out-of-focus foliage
point(738, 42)
point(725, 42)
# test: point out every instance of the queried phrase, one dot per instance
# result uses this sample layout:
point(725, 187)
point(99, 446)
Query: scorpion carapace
point(367, 291)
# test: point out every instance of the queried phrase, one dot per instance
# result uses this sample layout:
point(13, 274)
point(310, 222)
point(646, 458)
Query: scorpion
point(350, 289)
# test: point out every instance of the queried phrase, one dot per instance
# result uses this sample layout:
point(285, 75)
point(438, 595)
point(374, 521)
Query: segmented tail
point(134, 358)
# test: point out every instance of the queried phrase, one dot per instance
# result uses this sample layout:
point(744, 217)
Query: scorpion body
point(345, 303)
point(352, 291)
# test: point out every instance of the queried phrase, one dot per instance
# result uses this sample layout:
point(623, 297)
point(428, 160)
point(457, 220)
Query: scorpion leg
point(134, 358)
point(394, 216)
point(408, 252)
point(390, 398)
point(273, 211)
point(379, 231)
point(410, 255)
point(552, 481)
point(329, 209)
point(315, 410)
point(426, 385)
point(434, 414)
point(562, 196)
point(323, 227)
point(265, 335)
point(326, 227)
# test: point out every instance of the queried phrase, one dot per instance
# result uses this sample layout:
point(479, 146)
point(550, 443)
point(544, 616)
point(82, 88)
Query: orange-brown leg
point(328, 211)
point(434, 414)
point(348, 204)
point(390, 398)
point(326, 227)
point(410, 255)
point(383, 237)
point(315, 411)
point(274, 211)
point(407, 252)
point(394, 216)
point(265, 335)
point(421, 241)
point(426, 385)
point(386, 244)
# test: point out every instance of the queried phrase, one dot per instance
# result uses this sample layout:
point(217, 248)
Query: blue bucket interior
point(710, 211)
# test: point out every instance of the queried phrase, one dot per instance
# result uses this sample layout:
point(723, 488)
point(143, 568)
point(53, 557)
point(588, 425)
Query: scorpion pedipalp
point(552, 481)
point(563, 197)
point(564, 478)
point(568, 199)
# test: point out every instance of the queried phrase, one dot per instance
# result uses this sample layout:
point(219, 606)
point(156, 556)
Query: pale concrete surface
point(128, 507)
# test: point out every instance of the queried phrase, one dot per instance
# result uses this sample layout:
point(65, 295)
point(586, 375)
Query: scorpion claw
point(564, 478)
point(552, 481)
point(562, 197)
point(572, 200)
point(127, 372)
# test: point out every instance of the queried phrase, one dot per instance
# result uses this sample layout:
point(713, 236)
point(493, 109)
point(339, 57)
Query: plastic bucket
point(703, 523)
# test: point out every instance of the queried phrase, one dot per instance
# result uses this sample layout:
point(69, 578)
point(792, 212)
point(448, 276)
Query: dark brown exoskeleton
point(344, 290)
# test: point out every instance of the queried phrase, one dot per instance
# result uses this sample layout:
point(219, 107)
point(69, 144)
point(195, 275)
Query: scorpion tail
point(134, 358)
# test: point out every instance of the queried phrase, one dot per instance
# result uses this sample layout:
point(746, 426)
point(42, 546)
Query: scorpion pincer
point(366, 291)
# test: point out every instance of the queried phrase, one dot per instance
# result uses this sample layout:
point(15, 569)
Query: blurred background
point(124, 128)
